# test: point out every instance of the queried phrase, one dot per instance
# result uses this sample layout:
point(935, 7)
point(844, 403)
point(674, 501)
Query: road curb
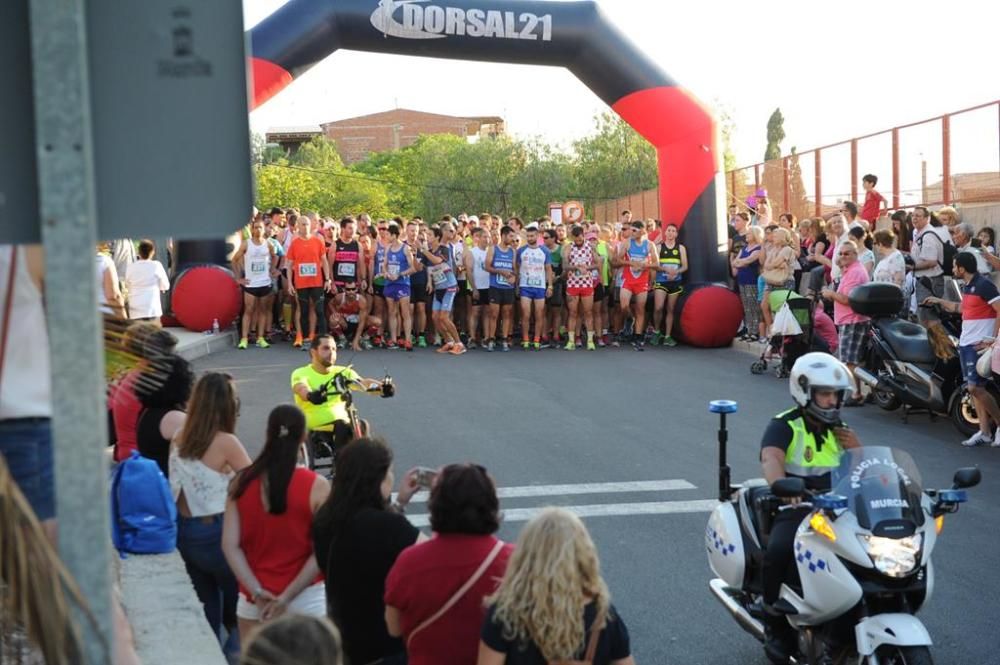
point(192, 346)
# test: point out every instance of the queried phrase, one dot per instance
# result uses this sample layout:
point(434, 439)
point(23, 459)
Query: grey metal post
point(69, 234)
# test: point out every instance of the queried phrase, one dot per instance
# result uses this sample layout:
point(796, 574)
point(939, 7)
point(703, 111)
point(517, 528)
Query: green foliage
point(775, 135)
point(614, 161)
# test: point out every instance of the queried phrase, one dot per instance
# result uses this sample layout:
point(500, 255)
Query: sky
point(836, 69)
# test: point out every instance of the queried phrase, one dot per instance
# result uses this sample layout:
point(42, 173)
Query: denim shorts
point(26, 446)
point(968, 357)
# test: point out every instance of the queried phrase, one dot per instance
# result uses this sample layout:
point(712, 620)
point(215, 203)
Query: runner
point(637, 256)
point(619, 243)
point(500, 265)
point(669, 283)
point(256, 261)
point(310, 273)
point(602, 284)
point(349, 318)
point(461, 308)
point(479, 282)
point(441, 270)
point(533, 265)
point(418, 284)
point(396, 268)
point(377, 288)
point(347, 257)
point(554, 305)
point(582, 265)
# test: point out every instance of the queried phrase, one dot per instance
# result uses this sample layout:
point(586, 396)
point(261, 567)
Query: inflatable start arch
point(574, 35)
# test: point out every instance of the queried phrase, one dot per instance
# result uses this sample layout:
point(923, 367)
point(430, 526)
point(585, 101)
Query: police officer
point(804, 442)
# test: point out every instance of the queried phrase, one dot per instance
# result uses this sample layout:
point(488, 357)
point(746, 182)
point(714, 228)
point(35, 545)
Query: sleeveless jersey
point(637, 251)
point(502, 260)
point(257, 264)
point(380, 250)
point(443, 274)
point(669, 256)
point(345, 261)
point(396, 264)
point(480, 278)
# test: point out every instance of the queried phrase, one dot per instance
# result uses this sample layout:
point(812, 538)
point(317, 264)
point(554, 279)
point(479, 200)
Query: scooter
point(863, 555)
point(901, 367)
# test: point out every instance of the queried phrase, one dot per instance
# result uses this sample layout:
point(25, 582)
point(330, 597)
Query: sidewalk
point(193, 345)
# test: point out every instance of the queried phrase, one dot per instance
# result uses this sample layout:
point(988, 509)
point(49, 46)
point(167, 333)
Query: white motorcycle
point(863, 555)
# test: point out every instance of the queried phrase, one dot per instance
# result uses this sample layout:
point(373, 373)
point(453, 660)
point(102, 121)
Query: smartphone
point(426, 476)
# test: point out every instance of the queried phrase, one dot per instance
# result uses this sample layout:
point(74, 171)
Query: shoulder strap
point(8, 304)
point(595, 635)
point(457, 596)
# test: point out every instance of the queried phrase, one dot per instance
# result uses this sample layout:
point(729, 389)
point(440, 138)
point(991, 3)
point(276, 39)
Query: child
point(875, 203)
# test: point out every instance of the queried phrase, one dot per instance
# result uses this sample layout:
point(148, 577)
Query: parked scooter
point(863, 556)
point(901, 367)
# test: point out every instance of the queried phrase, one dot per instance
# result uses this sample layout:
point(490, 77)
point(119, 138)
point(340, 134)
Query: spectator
point(778, 270)
point(787, 221)
point(853, 327)
point(891, 267)
point(204, 456)
point(818, 243)
point(357, 539)
point(928, 257)
point(163, 412)
point(940, 228)
point(144, 282)
point(746, 268)
point(836, 233)
point(850, 212)
point(948, 216)
point(902, 226)
point(552, 604)
point(863, 240)
point(762, 216)
point(294, 639)
point(122, 252)
point(267, 533)
point(428, 597)
point(110, 300)
point(987, 240)
point(875, 203)
point(962, 236)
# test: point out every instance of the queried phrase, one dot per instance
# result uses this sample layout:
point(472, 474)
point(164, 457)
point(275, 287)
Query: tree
point(727, 127)
point(775, 135)
point(614, 161)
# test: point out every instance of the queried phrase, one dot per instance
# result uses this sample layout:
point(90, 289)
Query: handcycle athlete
point(322, 389)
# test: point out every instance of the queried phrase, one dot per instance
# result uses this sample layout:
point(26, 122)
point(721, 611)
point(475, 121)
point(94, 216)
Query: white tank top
point(205, 489)
point(257, 264)
point(25, 386)
point(480, 278)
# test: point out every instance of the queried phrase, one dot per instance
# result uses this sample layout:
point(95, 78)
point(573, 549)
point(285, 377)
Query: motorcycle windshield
point(883, 490)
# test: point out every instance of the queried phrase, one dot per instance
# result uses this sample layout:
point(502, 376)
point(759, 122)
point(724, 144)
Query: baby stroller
point(789, 348)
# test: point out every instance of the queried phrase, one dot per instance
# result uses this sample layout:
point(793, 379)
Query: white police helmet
point(819, 371)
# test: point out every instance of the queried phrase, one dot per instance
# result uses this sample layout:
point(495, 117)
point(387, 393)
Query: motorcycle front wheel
point(895, 655)
point(963, 413)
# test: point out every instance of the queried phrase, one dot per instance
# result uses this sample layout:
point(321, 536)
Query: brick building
point(357, 137)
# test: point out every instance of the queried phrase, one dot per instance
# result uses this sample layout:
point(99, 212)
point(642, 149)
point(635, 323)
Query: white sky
point(837, 69)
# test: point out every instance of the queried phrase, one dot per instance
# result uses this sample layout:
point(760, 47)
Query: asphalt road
point(616, 416)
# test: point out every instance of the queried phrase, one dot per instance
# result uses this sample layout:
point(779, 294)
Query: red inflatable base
point(205, 293)
point(709, 316)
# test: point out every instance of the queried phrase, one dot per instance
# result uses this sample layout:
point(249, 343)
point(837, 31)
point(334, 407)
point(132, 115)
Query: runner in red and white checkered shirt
point(579, 264)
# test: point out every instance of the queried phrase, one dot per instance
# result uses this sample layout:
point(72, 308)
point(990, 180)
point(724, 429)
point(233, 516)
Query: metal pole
point(854, 170)
point(819, 183)
point(946, 159)
point(69, 234)
point(895, 167)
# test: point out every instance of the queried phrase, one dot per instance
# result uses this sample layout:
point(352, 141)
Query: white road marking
point(601, 510)
point(581, 488)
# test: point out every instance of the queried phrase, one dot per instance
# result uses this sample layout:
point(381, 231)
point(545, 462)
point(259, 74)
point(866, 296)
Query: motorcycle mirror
point(969, 476)
point(788, 488)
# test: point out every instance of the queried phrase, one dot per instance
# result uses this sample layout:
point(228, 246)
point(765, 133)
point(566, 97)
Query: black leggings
point(779, 559)
point(305, 296)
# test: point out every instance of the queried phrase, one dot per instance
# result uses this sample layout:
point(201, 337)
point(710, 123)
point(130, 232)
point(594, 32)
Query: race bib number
point(439, 275)
point(502, 280)
point(258, 268)
point(308, 270)
point(393, 270)
point(346, 269)
point(535, 282)
point(352, 318)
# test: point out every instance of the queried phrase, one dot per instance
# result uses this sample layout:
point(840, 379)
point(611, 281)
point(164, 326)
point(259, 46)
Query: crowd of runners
point(458, 283)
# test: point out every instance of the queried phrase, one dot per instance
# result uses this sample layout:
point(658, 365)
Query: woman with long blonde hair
point(552, 605)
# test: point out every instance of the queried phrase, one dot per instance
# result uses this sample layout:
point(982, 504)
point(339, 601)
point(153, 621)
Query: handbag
point(595, 635)
point(457, 596)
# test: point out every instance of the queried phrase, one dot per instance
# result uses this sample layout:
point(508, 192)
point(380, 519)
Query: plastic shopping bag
point(785, 323)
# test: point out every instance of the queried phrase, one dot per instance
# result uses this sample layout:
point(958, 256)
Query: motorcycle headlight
point(895, 557)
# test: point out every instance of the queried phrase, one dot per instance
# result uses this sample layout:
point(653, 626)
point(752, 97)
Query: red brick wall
point(357, 137)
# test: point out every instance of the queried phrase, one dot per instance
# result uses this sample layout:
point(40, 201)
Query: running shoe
point(422, 342)
point(505, 346)
point(463, 338)
point(591, 346)
point(298, 342)
point(243, 343)
point(445, 348)
point(669, 341)
point(366, 345)
point(262, 343)
point(605, 339)
point(391, 346)
point(406, 344)
point(616, 343)
point(570, 346)
point(457, 349)
point(490, 345)
point(976, 439)
point(437, 340)
point(537, 346)
point(656, 338)
point(525, 345)
point(471, 345)
point(601, 343)
point(545, 343)
point(640, 345)
point(377, 342)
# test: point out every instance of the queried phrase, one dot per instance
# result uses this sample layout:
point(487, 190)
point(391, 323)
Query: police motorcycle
point(863, 555)
point(319, 452)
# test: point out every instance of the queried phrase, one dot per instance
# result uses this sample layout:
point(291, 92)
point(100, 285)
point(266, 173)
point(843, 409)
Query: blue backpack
point(143, 512)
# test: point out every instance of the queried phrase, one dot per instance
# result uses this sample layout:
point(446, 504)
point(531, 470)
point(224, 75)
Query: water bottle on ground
point(215, 326)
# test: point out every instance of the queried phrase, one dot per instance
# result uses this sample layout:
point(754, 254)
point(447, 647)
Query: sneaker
point(976, 439)
point(298, 342)
point(525, 345)
point(669, 341)
point(490, 345)
point(438, 341)
point(545, 343)
point(342, 343)
point(407, 345)
point(445, 348)
point(537, 346)
point(591, 346)
point(457, 349)
point(606, 339)
point(471, 345)
point(601, 343)
point(463, 338)
point(656, 338)
point(996, 439)
point(616, 343)
point(570, 346)
point(391, 346)
point(422, 342)
point(377, 341)
point(244, 343)
point(640, 345)
point(262, 343)
point(366, 345)
point(505, 346)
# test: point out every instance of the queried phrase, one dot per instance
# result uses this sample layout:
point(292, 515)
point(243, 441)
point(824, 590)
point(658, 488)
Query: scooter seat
point(907, 340)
